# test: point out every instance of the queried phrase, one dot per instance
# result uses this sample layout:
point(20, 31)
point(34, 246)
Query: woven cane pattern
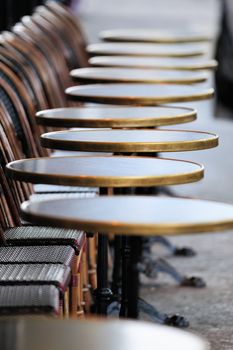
point(41, 188)
point(29, 299)
point(55, 274)
point(49, 196)
point(37, 235)
point(34, 254)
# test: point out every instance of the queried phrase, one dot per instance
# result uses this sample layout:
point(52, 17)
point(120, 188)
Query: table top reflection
point(139, 94)
point(105, 171)
point(128, 75)
point(42, 334)
point(132, 215)
point(128, 141)
point(115, 116)
point(149, 50)
point(154, 36)
point(154, 63)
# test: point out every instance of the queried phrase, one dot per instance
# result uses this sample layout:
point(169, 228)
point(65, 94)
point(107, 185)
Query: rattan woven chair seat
point(41, 236)
point(48, 196)
point(46, 189)
point(37, 255)
point(22, 300)
point(62, 153)
point(37, 274)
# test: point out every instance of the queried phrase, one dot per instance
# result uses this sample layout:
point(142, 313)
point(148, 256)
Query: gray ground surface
point(209, 310)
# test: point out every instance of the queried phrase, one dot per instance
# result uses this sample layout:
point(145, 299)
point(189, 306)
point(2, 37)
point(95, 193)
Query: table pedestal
point(131, 309)
point(103, 293)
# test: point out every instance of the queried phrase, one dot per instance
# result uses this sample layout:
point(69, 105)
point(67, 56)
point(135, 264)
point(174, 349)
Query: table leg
point(130, 276)
point(133, 290)
point(103, 293)
point(117, 273)
point(126, 259)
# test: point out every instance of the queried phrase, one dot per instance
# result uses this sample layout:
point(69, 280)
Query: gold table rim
point(210, 64)
point(125, 147)
point(126, 229)
point(106, 35)
point(105, 181)
point(189, 115)
point(93, 50)
point(132, 100)
point(202, 77)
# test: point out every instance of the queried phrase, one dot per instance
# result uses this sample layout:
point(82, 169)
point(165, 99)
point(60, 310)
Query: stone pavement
point(209, 310)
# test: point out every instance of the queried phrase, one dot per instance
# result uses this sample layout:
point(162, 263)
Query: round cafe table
point(118, 117)
point(146, 50)
point(135, 75)
point(138, 94)
point(118, 171)
point(129, 141)
point(134, 216)
point(154, 36)
point(105, 172)
point(115, 117)
point(42, 334)
point(186, 64)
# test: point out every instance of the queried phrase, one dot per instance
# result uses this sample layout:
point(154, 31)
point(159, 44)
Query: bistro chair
point(46, 71)
point(29, 300)
point(68, 34)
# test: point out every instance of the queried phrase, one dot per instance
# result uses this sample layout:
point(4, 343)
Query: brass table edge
point(116, 80)
point(125, 229)
point(139, 181)
point(210, 66)
point(106, 181)
point(140, 101)
point(124, 123)
point(126, 147)
point(93, 52)
point(159, 39)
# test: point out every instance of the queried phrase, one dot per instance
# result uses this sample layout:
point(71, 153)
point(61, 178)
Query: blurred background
point(210, 312)
point(213, 16)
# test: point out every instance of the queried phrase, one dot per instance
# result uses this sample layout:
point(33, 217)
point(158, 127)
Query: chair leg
point(74, 288)
point(92, 262)
point(79, 310)
point(103, 293)
point(87, 299)
point(117, 270)
point(66, 304)
point(61, 312)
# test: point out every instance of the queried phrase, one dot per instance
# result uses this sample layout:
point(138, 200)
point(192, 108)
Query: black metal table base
point(127, 265)
point(157, 316)
point(103, 294)
point(130, 276)
point(117, 266)
point(152, 267)
point(150, 311)
point(173, 249)
point(131, 304)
